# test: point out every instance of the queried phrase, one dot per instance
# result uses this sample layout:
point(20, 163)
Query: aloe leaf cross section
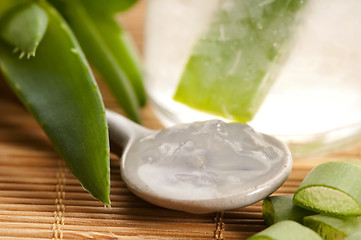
point(332, 188)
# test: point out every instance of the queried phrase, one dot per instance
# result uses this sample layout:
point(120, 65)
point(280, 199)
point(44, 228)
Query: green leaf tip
point(24, 28)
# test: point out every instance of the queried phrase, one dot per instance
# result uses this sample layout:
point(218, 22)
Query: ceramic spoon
point(201, 167)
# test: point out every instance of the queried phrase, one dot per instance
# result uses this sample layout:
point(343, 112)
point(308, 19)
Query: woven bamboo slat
point(41, 199)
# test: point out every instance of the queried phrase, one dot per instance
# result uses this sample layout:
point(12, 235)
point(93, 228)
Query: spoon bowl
point(201, 167)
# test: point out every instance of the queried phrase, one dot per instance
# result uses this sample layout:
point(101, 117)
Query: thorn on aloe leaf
point(22, 54)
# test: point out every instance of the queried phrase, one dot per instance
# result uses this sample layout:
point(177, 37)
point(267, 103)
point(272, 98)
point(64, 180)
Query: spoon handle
point(122, 130)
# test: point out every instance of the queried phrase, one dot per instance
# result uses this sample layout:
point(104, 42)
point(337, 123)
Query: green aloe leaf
point(109, 7)
point(9, 7)
point(286, 230)
point(58, 88)
point(118, 40)
point(333, 227)
point(109, 49)
point(279, 208)
point(332, 188)
point(25, 28)
point(234, 63)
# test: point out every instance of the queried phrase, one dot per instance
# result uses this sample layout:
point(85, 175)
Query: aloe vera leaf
point(119, 41)
point(279, 208)
point(8, 7)
point(116, 39)
point(25, 28)
point(334, 228)
point(109, 7)
point(286, 230)
point(233, 65)
point(332, 188)
point(58, 88)
point(101, 55)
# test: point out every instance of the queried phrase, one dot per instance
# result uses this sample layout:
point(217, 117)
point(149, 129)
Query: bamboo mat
point(41, 199)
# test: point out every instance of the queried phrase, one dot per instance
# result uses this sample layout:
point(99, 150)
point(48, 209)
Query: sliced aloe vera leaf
point(332, 188)
point(58, 88)
point(25, 28)
point(100, 53)
point(329, 227)
point(286, 230)
point(233, 65)
point(279, 208)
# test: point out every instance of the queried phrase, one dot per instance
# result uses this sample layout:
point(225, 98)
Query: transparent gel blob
point(203, 160)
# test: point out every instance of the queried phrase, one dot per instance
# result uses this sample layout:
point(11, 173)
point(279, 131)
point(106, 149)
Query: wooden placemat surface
point(41, 199)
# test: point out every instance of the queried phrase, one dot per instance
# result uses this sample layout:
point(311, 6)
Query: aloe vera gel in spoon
point(205, 166)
